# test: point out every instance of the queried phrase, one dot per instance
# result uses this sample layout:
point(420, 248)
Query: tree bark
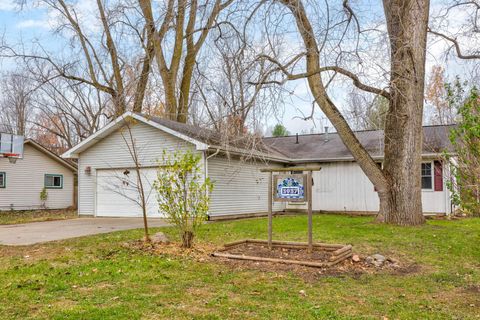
point(407, 23)
point(187, 239)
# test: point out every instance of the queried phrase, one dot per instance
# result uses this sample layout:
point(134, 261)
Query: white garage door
point(118, 196)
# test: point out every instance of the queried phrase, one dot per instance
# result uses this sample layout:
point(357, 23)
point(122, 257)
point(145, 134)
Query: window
point(53, 181)
point(427, 176)
point(3, 179)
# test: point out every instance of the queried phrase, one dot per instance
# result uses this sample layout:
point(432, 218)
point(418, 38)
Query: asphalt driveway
point(38, 232)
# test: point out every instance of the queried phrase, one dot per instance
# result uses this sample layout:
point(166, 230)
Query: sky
point(35, 24)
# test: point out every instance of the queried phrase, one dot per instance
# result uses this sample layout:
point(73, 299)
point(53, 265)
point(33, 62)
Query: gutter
point(340, 159)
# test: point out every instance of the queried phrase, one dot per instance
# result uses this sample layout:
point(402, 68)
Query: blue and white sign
point(290, 188)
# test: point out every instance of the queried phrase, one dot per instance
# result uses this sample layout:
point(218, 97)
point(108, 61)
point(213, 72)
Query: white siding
point(342, 186)
point(112, 152)
point(25, 181)
point(239, 187)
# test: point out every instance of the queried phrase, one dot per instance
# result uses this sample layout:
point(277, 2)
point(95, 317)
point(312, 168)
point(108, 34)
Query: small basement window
point(427, 176)
point(3, 179)
point(53, 181)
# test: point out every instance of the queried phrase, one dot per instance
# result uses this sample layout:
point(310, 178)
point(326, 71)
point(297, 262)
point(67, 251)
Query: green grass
point(99, 278)
point(16, 217)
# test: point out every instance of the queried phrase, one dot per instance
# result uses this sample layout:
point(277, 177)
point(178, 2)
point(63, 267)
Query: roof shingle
point(311, 147)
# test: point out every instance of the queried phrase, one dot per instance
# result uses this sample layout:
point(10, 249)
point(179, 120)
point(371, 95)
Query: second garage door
point(118, 196)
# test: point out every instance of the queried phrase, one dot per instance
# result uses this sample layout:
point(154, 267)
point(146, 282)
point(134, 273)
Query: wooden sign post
point(289, 187)
point(292, 188)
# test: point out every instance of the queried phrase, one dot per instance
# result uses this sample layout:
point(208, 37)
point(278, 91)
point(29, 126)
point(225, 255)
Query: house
point(21, 183)
point(106, 179)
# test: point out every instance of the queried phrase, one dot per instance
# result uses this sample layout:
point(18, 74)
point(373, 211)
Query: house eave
point(74, 152)
point(349, 159)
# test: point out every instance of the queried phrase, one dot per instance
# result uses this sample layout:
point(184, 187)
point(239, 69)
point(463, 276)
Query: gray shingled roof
point(217, 140)
point(324, 147)
point(311, 146)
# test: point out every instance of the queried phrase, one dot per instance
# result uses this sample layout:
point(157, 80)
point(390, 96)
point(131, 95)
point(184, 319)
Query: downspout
point(205, 175)
point(205, 167)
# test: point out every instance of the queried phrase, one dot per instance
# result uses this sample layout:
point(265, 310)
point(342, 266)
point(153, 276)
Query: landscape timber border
point(339, 252)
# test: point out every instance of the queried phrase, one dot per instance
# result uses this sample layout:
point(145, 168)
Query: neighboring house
point(106, 179)
point(21, 183)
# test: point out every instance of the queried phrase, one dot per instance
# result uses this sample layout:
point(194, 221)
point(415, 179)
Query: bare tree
point(229, 86)
point(16, 102)
point(398, 184)
point(366, 112)
point(184, 25)
point(66, 113)
point(94, 58)
point(457, 24)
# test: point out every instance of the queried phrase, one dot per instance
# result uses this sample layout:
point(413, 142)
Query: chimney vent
point(296, 139)
point(326, 137)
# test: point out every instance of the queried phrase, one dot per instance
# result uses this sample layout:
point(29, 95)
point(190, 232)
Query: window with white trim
point(53, 181)
point(427, 176)
point(3, 180)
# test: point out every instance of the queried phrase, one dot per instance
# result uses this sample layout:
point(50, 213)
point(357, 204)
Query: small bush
point(183, 193)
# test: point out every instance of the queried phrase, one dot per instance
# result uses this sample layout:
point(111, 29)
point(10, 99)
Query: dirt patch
point(343, 269)
point(200, 252)
point(473, 289)
point(258, 250)
point(348, 268)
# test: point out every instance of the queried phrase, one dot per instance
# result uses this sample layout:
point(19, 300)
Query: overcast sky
point(33, 24)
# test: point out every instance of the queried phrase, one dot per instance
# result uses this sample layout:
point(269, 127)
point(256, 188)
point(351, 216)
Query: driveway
point(38, 232)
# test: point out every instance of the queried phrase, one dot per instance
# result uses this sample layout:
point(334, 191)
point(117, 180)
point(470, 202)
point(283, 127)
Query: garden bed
point(322, 255)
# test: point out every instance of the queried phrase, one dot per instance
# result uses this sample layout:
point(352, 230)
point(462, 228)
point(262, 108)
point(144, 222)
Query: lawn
point(99, 277)
point(16, 217)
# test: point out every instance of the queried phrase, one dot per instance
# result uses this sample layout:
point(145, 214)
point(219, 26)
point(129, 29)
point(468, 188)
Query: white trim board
point(118, 123)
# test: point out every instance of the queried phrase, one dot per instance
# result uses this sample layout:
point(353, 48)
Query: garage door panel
point(118, 196)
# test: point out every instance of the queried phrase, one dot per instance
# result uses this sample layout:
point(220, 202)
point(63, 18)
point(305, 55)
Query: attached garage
point(117, 193)
point(107, 177)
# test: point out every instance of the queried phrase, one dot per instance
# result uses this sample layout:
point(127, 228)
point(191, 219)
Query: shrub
point(44, 197)
point(466, 163)
point(183, 193)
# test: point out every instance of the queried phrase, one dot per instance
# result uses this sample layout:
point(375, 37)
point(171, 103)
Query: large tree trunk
point(398, 184)
point(407, 23)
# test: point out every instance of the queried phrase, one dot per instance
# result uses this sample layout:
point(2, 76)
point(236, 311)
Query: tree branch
point(456, 45)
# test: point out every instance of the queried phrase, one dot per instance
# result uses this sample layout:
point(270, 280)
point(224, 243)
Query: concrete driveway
point(38, 232)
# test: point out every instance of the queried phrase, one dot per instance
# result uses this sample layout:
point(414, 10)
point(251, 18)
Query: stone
point(379, 257)
point(302, 293)
point(160, 237)
point(355, 258)
point(377, 260)
point(377, 264)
